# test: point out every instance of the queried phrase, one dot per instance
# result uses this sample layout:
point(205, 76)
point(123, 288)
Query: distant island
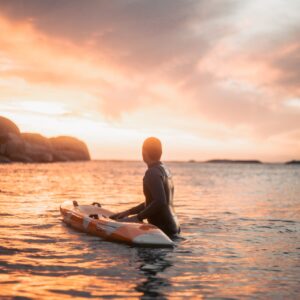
point(238, 161)
point(16, 146)
point(293, 162)
point(241, 161)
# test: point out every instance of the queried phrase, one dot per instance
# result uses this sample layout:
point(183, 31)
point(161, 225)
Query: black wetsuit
point(158, 207)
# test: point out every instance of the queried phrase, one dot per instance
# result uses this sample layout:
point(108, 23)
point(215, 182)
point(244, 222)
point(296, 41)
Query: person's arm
point(155, 185)
point(128, 212)
point(135, 210)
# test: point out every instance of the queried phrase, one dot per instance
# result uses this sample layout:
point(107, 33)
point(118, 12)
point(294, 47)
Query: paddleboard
point(94, 220)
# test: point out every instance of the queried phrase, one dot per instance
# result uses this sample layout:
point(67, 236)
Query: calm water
point(240, 233)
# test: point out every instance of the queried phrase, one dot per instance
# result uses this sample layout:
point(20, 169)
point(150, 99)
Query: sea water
point(240, 233)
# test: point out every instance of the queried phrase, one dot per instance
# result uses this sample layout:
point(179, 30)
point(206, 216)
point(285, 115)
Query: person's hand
point(132, 219)
point(119, 215)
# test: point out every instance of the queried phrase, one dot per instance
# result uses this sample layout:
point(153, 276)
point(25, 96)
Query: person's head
point(152, 150)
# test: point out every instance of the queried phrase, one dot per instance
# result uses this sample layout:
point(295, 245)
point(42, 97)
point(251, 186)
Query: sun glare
point(43, 107)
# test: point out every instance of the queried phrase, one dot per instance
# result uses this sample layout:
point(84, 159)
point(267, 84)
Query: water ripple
point(238, 222)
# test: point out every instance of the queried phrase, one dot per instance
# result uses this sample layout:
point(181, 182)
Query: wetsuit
point(158, 207)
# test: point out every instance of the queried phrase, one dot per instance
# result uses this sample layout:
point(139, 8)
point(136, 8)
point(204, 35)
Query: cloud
point(141, 34)
point(224, 70)
point(288, 64)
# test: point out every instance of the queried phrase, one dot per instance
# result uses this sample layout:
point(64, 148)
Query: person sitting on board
point(158, 190)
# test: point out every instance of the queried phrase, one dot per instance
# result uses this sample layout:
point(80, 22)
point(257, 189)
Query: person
point(158, 190)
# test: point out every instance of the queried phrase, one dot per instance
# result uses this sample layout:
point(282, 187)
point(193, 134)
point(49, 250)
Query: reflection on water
point(153, 263)
point(240, 233)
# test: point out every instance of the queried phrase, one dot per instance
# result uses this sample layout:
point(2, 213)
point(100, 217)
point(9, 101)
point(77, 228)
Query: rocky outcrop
point(37, 147)
point(11, 142)
point(33, 147)
point(69, 148)
point(7, 126)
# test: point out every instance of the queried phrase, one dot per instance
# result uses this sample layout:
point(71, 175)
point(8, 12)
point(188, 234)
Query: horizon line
point(199, 161)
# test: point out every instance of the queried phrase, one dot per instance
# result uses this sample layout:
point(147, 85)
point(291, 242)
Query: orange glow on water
point(227, 213)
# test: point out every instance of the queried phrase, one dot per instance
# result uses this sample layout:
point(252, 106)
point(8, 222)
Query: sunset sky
point(211, 79)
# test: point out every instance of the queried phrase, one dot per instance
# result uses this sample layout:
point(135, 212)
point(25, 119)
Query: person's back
point(158, 190)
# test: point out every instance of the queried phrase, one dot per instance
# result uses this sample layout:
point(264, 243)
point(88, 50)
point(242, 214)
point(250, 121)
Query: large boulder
point(69, 148)
point(12, 147)
point(20, 157)
point(14, 144)
point(37, 140)
point(7, 126)
point(10, 140)
point(37, 147)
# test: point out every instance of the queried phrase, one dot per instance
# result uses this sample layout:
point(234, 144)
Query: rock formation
point(69, 148)
point(33, 147)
